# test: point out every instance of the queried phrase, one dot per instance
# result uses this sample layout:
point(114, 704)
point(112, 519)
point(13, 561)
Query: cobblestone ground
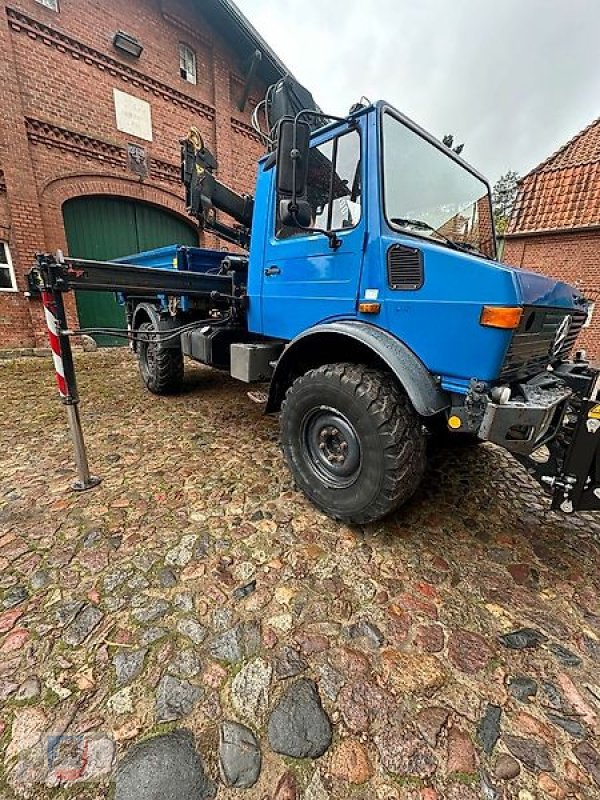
point(196, 587)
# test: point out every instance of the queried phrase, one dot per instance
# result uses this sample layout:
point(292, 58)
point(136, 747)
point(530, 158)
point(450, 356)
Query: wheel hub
point(332, 447)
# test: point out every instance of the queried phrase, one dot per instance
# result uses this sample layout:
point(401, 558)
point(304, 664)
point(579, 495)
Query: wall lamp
point(127, 43)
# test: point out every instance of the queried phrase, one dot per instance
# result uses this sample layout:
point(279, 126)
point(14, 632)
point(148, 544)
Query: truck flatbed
point(168, 271)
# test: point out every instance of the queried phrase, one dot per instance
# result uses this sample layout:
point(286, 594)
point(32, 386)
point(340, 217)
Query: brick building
point(95, 95)
point(555, 224)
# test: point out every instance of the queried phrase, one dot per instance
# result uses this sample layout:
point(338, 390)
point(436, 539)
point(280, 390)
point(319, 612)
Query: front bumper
point(554, 431)
point(523, 426)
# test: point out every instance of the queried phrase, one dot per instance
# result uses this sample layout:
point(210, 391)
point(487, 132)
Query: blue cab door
point(304, 280)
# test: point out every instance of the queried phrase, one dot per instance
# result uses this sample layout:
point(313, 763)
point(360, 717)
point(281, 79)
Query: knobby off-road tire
point(161, 369)
point(353, 441)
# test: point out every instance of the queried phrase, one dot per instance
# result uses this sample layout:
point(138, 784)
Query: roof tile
point(564, 190)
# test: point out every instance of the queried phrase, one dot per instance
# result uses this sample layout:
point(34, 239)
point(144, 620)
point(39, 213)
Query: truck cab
point(415, 260)
point(416, 256)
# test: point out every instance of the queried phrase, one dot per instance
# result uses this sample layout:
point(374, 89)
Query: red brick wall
point(573, 257)
point(58, 136)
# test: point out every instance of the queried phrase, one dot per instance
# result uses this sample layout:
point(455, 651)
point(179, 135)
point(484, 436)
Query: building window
point(7, 274)
point(51, 4)
point(187, 63)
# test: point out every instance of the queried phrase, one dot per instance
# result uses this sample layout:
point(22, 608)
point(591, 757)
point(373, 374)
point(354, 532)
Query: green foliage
point(504, 195)
point(50, 698)
point(407, 781)
point(159, 729)
point(466, 778)
point(448, 140)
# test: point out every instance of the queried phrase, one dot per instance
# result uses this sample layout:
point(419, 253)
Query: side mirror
point(300, 216)
point(292, 158)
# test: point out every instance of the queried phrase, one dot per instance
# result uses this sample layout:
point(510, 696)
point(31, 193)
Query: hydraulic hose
point(148, 336)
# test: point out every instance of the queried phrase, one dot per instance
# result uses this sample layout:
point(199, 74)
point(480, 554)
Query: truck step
point(260, 398)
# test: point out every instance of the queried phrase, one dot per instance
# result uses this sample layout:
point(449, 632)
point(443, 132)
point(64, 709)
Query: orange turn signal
point(369, 308)
point(507, 317)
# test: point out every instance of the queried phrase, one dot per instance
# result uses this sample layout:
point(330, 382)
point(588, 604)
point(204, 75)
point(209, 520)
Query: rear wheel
point(161, 369)
point(353, 441)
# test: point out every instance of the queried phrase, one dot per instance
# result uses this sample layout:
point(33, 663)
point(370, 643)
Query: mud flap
point(578, 489)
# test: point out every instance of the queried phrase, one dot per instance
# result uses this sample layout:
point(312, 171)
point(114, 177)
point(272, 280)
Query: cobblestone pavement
point(449, 652)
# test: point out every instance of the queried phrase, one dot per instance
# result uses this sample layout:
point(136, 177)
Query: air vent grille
point(405, 268)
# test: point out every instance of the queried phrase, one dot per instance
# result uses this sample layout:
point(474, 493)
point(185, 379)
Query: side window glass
point(334, 186)
point(320, 165)
point(345, 206)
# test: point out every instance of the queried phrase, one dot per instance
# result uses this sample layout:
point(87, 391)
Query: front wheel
point(161, 369)
point(353, 441)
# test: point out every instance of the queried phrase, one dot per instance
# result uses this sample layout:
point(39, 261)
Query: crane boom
point(205, 194)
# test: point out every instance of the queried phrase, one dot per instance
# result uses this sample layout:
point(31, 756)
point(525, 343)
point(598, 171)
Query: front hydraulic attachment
point(579, 487)
point(572, 471)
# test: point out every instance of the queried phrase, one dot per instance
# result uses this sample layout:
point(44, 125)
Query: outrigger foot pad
point(84, 486)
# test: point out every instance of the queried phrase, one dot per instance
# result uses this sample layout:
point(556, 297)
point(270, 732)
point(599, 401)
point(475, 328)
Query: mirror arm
point(295, 155)
point(307, 112)
point(334, 239)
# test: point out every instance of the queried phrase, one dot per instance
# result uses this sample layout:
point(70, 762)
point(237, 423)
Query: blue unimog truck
point(372, 300)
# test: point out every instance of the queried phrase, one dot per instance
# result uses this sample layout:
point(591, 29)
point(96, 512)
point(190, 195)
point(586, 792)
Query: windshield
point(428, 193)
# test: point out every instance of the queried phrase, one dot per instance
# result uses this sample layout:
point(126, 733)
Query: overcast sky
point(513, 79)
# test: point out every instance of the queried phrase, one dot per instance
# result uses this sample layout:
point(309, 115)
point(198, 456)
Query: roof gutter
point(246, 27)
point(550, 231)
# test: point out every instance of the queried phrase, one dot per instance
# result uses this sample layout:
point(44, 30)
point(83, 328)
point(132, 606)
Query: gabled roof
point(564, 190)
point(583, 148)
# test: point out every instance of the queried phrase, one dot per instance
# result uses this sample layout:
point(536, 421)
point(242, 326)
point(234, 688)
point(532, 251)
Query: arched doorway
point(105, 227)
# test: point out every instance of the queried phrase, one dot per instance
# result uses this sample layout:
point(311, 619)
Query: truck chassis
point(567, 465)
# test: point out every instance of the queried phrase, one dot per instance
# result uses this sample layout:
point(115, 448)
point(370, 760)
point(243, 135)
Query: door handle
point(272, 271)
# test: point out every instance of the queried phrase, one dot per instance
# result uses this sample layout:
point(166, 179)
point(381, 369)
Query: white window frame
point(187, 54)
point(588, 320)
point(51, 5)
point(8, 263)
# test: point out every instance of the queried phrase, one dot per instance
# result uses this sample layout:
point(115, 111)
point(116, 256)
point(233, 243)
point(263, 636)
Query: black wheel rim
point(331, 446)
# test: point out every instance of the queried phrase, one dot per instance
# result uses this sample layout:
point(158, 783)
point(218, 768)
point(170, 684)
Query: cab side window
point(333, 188)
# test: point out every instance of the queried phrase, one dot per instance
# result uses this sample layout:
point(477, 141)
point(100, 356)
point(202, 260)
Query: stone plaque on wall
point(133, 115)
point(137, 160)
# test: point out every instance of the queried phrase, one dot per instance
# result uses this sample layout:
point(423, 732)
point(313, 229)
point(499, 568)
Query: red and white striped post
point(60, 345)
point(49, 302)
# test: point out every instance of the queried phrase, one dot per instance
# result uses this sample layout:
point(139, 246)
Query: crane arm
point(205, 194)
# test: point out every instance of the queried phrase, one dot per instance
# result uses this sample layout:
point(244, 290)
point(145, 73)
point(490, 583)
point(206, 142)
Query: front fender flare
point(386, 350)
point(144, 311)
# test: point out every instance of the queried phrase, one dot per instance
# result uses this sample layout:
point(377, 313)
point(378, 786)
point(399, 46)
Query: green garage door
point(103, 228)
